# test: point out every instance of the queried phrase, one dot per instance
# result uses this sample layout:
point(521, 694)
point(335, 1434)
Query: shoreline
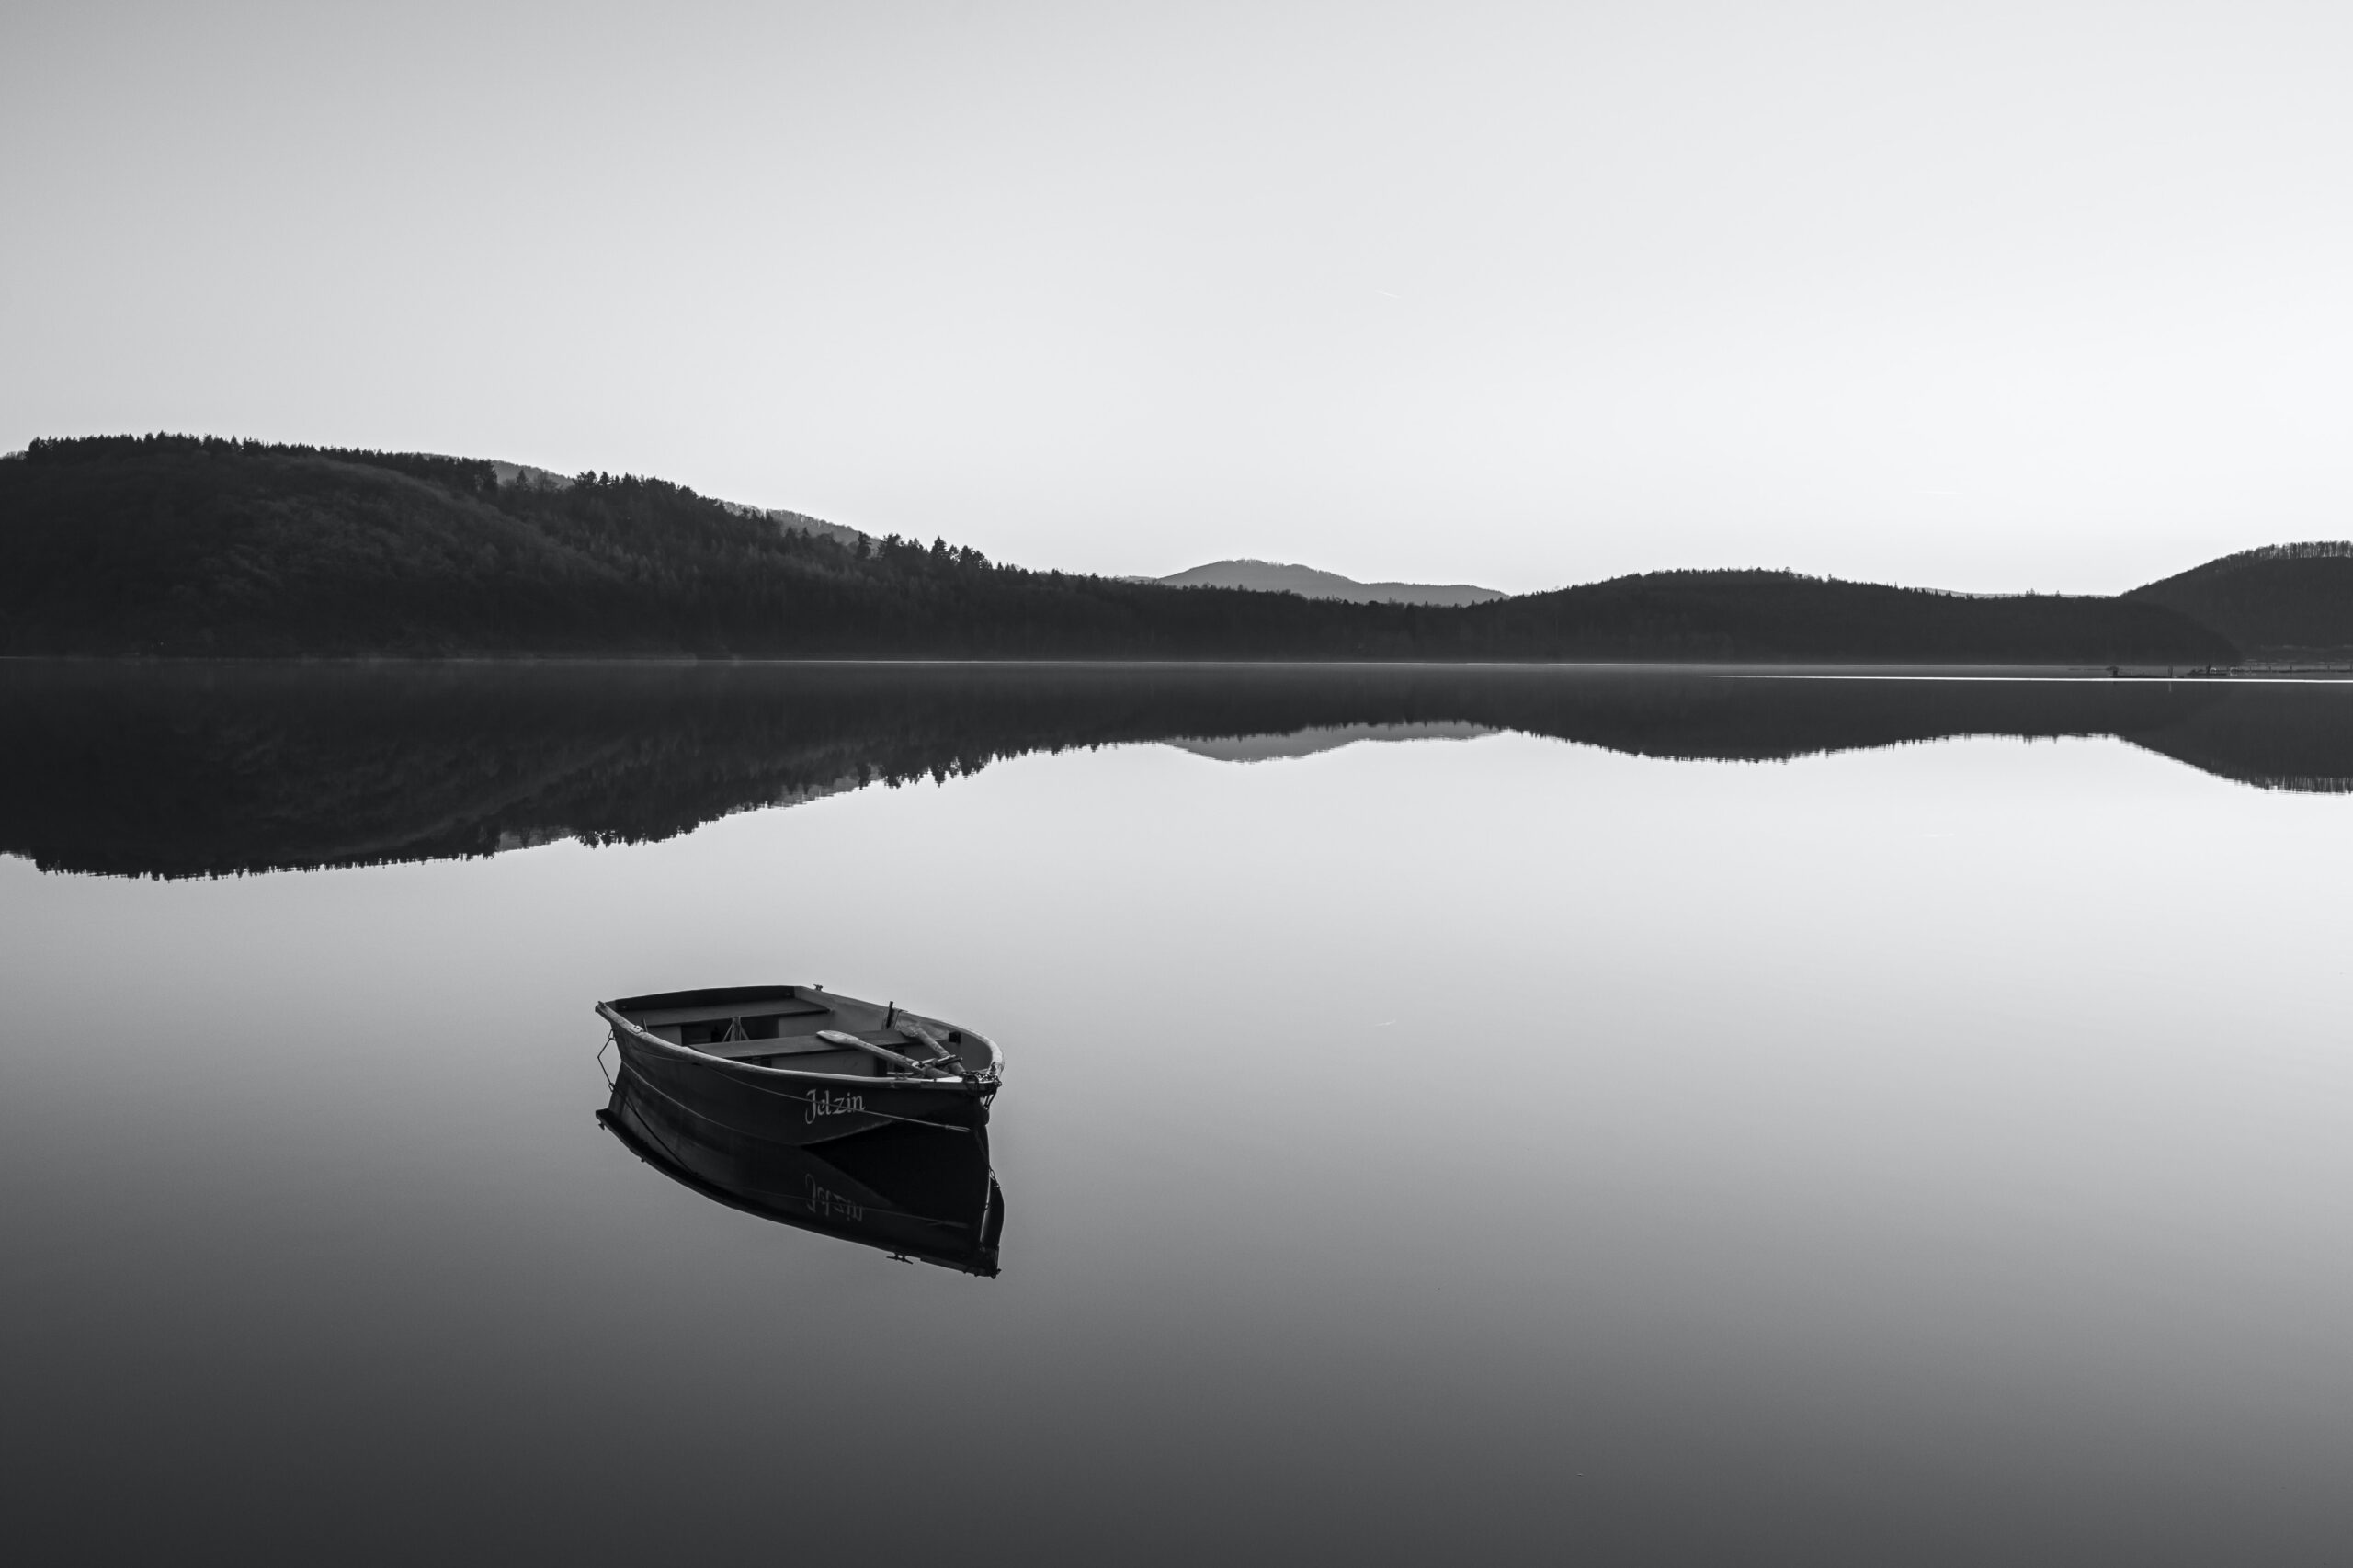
point(2262, 671)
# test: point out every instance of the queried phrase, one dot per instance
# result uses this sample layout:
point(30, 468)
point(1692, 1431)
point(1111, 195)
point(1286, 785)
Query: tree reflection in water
point(185, 770)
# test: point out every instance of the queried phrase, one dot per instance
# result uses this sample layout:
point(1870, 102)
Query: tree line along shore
point(168, 546)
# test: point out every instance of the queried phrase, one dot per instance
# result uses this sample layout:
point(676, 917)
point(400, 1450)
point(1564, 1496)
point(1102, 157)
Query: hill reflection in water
point(201, 770)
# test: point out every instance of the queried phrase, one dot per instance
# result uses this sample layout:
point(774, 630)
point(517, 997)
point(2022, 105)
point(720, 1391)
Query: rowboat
point(914, 1192)
point(798, 1065)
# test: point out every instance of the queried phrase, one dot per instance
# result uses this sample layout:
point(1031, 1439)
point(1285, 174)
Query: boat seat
point(789, 1046)
point(779, 1007)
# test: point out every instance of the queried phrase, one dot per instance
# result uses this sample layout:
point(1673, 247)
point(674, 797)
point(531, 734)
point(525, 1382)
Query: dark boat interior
point(780, 1025)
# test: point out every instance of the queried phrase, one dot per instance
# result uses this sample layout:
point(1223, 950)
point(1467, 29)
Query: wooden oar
point(850, 1041)
point(938, 1052)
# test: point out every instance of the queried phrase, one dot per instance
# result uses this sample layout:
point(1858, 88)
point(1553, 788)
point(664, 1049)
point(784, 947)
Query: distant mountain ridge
point(176, 547)
point(1309, 583)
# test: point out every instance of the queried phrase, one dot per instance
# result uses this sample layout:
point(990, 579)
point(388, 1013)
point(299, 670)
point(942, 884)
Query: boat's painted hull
point(778, 1106)
point(912, 1192)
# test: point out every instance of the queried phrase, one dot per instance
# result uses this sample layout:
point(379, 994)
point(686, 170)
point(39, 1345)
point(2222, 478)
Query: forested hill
point(188, 546)
point(2284, 601)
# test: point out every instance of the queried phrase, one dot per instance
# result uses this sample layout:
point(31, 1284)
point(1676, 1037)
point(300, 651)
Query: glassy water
point(1450, 1115)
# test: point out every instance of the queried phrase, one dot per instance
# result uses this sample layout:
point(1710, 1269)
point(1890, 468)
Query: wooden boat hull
point(794, 1108)
point(912, 1192)
point(778, 1106)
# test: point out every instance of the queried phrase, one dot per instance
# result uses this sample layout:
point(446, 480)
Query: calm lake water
point(1475, 1116)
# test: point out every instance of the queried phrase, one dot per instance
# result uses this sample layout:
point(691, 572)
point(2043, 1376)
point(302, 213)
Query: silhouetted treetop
point(176, 545)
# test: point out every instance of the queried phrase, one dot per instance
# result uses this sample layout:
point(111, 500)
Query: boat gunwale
point(970, 1082)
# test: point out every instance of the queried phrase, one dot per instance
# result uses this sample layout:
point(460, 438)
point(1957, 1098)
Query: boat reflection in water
point(916, 1192)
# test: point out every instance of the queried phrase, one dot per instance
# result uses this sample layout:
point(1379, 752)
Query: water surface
point(1505, 1115)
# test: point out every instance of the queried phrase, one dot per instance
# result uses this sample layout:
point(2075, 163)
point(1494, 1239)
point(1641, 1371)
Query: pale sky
point(1977, 295)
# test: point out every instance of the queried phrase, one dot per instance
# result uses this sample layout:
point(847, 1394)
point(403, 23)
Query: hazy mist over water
point(1461, 1144)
